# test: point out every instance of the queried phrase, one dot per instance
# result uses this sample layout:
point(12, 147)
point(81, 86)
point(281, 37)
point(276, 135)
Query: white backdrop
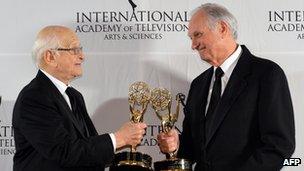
point(116, 58)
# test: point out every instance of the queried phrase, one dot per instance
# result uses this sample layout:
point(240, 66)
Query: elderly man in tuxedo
point(52, 129)
point(239, 114)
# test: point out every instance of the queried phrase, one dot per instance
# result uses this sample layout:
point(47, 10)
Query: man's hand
point(130, 134)
point(168, 142)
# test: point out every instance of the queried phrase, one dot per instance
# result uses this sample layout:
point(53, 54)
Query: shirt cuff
point(112, 136)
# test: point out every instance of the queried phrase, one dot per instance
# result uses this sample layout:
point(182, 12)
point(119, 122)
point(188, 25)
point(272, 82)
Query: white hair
point(215, 13)
point(41, 45)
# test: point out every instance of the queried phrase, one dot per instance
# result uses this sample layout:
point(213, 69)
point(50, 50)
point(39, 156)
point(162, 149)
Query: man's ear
point(223, 28)
point(49, 58)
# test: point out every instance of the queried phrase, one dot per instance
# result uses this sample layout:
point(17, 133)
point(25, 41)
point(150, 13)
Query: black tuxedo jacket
point(252, 128)
point(47, 136)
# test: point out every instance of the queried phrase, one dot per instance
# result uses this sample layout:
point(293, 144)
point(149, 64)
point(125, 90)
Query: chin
point(77, 74)
point(203, 57)
point(206, 59)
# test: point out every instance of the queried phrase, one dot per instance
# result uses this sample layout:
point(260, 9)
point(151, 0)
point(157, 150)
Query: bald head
point(58, 52)
point(51, 37)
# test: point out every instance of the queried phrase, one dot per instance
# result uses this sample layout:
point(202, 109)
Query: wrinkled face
point(204, 39)
point(68, 62)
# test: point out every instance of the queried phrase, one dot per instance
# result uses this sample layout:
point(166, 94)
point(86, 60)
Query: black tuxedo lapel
point(235, 86)
point(199, 100)
point(87, 119)
point(202, 93)
point(61, 101)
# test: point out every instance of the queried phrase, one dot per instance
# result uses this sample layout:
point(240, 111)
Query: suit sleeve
point(43, 126)
point(276, 123)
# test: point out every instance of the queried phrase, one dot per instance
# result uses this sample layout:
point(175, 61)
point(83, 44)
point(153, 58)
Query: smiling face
point(65, 65)
point(208, 41)
point(204, 39)
point(68, 63)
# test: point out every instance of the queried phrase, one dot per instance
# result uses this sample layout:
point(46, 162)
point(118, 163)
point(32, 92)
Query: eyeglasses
point(73, 51)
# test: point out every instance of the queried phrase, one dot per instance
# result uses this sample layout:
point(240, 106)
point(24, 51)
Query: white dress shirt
point(227, 67)
point(62, 87)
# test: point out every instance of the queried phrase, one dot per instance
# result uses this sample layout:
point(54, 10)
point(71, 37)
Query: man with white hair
point(52, 129)
point(239, 114)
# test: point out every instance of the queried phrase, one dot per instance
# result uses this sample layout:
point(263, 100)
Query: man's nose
point(81, 56)
point(194, 44)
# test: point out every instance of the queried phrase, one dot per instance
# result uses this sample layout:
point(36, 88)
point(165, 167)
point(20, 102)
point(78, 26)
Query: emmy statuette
point(139, 97)
point(161, 103)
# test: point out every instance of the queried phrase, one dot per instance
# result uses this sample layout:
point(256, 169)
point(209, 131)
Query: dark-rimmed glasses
point(73, 51)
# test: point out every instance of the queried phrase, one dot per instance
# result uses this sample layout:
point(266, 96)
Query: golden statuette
point(161, 101)
point(138, 98)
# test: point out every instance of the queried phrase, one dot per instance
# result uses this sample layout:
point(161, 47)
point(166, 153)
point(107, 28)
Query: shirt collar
point(230, 61)
point(59, 84)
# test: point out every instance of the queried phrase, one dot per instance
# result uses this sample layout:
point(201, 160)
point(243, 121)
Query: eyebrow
point(194, 33)
point(189, 34)
point(74, 46)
